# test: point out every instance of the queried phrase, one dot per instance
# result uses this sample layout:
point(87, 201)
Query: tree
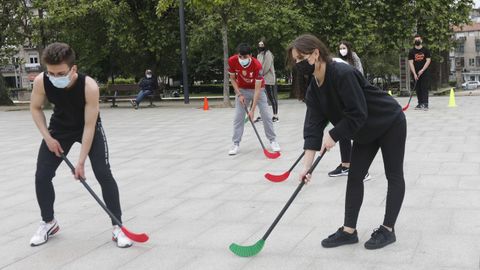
point(112, 37)
point(434, 22)
point(238, 21)
point(13, 18)
point(382, 27)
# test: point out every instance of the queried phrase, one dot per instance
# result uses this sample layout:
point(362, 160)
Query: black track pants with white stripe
point(47, 164)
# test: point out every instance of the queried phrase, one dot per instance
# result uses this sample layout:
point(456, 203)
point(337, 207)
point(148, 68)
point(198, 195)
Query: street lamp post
point(184, 53)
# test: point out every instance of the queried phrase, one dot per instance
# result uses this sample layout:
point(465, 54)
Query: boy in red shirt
point(249, 85)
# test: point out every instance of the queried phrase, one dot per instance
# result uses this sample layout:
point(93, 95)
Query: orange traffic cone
point(205, 104)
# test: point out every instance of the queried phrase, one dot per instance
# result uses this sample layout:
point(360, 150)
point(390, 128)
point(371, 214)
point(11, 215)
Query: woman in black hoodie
point(338, 93)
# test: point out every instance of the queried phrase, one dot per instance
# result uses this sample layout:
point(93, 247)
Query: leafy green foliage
point(125, 37)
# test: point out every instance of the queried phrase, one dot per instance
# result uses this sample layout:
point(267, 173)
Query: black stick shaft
point(253, 125)
point(296, 162)
point(99, 201)
point(299, 187)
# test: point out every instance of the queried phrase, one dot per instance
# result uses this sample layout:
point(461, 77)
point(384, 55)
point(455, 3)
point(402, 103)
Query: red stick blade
point(273, 155)
point(141, 238)
point(277, 178)
point(406, 107)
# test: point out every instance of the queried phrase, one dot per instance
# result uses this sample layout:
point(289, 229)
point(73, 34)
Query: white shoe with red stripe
point(122, 240)
point(44, 232)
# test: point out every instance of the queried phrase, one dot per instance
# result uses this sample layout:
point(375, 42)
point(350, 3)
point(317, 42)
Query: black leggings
point(48, 162)
point(270, 89)
point(392, 144)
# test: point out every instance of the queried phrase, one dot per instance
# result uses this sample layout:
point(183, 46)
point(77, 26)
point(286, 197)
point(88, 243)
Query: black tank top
point(68, 118)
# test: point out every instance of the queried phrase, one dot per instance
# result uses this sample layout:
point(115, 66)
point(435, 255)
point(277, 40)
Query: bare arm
point(36, 102)
point(92, 95)
point(236, 89)
point(412, 69)
point(234, 84)
point(256, 95)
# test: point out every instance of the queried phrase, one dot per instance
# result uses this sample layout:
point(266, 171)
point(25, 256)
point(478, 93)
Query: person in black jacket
point(147, 87)
point(338, 93)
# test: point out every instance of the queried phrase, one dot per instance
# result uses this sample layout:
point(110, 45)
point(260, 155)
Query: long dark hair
point(349, 56)
point(305, 44)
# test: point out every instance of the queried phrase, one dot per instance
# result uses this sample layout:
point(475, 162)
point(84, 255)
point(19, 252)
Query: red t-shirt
point(245, 76)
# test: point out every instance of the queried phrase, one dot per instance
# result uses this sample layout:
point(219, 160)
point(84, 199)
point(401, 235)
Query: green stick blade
point(247, 251)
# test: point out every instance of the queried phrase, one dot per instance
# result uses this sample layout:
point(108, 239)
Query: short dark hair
point(58, 53)
point(244, 49)
point(417, 35)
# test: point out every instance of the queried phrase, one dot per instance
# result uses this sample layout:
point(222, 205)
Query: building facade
point(23, 68)
point(465, 57)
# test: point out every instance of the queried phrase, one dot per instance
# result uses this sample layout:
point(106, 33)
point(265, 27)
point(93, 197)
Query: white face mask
point(149, 76)
point(343, 52)
point(244, 62)
point(60, 82)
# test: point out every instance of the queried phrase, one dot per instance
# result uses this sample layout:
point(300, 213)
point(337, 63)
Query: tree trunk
point(226, 82)
point(4, 99)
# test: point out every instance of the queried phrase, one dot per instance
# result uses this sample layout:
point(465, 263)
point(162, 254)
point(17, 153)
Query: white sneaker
point(44, 232)
point(275, 146)
point(234, 150)
point(122, 240)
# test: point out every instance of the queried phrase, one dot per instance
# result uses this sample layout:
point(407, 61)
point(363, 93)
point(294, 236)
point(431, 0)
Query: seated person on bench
point(147, 86)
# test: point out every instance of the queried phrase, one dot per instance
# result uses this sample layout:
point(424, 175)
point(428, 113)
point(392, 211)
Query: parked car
point(470, 85)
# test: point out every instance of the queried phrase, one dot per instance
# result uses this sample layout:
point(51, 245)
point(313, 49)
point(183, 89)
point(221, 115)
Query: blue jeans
point(141, 95)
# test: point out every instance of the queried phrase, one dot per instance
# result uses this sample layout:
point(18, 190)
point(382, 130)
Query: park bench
point(115, 92)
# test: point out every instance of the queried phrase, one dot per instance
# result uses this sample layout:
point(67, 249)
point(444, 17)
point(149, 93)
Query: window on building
point(33, 59)
point(471, 62)
point(478, 61)
point(460, 47)
point(460, 62)
point(477, 45)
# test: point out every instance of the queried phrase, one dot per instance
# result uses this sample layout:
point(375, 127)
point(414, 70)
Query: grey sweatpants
point(239, 120)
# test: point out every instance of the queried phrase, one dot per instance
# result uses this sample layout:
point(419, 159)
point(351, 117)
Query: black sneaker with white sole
point(339, 171)
point(419, 107)
point(340, 238)
point(380, 238)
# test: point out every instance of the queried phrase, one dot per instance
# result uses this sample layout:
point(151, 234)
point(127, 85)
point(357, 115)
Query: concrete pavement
point(178, 184)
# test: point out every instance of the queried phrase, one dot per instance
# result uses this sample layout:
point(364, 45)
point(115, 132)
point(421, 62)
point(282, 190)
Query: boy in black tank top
point(75, 119)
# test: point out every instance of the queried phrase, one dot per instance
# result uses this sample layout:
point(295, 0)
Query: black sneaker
point(419, 107)
point(425, 107)
point(258, 119)
point(340, 238)
point(339, 171)
point(380, 237)
point(275, 119)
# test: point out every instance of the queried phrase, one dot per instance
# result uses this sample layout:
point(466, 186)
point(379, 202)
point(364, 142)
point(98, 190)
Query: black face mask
point(261, 49)
point(418, 43)
point(304, 67)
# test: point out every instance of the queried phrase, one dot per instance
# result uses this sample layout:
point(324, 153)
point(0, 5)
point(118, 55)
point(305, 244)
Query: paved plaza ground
point(178, 184)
